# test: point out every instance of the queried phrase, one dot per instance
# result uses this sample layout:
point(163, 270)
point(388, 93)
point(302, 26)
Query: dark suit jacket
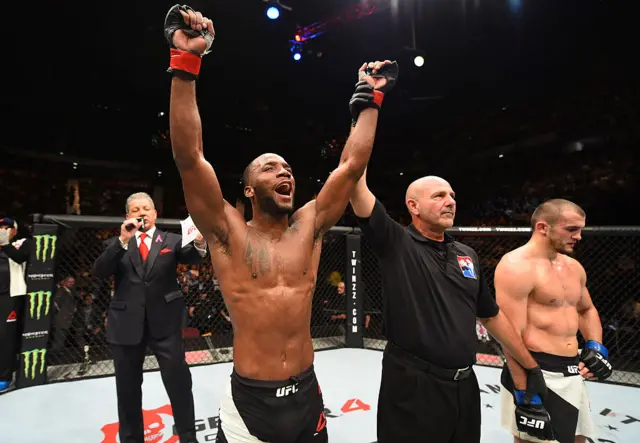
point(145, 290)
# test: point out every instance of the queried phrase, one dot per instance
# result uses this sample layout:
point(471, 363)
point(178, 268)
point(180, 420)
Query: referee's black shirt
point(433, 291)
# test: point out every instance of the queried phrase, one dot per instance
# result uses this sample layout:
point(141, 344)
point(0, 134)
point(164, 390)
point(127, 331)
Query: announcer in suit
point(147, 309)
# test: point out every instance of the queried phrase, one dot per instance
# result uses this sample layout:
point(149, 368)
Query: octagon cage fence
point(76, 347)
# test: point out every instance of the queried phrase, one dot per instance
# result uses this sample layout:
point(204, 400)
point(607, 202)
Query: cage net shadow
point(78, 346)
point(611, 261)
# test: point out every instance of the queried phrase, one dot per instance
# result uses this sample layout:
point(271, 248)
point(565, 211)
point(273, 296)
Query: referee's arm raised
point(362, 199)
point(380, 230)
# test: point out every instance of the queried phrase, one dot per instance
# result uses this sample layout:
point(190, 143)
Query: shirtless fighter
point(543, 291)
point(268, 266)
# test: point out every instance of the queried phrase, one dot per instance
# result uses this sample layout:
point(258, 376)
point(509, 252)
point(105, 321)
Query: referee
point(434, 291)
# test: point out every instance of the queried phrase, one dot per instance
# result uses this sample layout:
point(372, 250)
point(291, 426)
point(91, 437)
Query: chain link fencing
point(611, 258)
point(78, 347)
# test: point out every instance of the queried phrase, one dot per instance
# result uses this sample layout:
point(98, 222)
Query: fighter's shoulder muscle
point(516, 264)
point(235, 227)
point(577, 267)
point(305, 218)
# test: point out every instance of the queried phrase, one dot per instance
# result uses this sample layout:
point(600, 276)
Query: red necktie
point(144, 250)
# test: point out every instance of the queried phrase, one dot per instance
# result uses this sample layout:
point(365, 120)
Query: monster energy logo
point(44, 244)
point(35, 308)
point(31, 362)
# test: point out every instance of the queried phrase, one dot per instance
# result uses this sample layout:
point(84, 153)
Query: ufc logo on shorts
point(573, 369)
point(532, 422)
point(286, 390)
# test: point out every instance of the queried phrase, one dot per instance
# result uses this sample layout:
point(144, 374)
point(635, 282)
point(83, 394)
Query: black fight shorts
point(288, 411)
point(415, 406)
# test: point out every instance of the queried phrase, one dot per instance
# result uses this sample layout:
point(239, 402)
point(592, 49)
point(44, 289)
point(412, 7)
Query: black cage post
point(354, 293)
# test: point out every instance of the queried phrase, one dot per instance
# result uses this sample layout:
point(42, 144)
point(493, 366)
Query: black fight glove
point(366, 96)
point(536, 386)
point(531, 416)
point(186, 63)
point(596, 357)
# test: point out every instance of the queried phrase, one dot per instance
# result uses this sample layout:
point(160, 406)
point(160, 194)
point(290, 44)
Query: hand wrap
point(366, 96)
point(184, 62)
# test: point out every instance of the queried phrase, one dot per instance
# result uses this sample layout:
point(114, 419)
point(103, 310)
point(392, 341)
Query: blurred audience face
point(12, 232)
point(340, 289)
point(69, 282)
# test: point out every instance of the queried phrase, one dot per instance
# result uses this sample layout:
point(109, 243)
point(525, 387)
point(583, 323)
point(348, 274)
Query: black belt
point(425, 366)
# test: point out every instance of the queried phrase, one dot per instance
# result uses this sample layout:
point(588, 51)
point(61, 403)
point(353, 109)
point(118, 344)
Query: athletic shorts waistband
point(568, 366)
point(306, 376)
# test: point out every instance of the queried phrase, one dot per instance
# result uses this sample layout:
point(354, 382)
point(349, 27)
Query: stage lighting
point(418, 61)
point(273, 12)
point(296, 50)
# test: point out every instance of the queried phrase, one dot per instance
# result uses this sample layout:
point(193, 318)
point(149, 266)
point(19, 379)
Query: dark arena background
point(512, 101)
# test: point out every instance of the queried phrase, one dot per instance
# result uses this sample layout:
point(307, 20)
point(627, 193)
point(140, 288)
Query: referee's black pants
point(418, 407)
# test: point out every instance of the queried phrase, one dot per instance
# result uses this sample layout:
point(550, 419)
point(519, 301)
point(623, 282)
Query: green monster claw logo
point(31, 362)
point(43, 298)
point(44, 244)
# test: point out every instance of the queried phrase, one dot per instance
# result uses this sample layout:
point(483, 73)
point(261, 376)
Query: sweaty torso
point(268, 283)
point(552, 315)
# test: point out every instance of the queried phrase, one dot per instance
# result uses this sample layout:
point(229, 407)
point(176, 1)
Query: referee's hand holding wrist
point(535, 385)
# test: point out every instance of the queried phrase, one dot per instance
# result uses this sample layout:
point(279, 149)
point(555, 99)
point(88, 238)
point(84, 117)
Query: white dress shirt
point(149, 241)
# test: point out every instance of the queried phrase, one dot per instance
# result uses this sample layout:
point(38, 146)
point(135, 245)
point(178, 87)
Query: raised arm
point(190, 36)
point(202, 192)
point(362, 199)
point(334, 196)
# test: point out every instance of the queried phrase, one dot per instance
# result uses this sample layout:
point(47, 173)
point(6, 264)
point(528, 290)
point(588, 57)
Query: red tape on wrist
point(185, 61)
point(378, 96)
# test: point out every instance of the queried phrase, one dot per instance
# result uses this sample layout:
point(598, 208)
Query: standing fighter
point(268, 266)
point(544, 293)
point(434, 291)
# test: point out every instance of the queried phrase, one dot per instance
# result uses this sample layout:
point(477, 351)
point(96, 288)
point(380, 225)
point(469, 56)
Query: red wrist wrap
point(377, 97)
point(185, 61)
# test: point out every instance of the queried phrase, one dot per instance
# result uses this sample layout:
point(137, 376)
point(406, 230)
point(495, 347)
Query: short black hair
point(551, 210)
point(246, 175)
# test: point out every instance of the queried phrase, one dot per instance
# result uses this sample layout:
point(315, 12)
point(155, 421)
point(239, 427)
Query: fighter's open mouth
point(284, 189)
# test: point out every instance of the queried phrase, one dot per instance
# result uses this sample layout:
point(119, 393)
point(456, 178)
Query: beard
point(268, 204)
point(563, 248)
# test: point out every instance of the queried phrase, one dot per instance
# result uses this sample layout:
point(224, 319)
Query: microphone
point(131, 226)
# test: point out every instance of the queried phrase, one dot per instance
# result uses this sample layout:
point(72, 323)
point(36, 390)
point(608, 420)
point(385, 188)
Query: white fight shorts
point(567, 403)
